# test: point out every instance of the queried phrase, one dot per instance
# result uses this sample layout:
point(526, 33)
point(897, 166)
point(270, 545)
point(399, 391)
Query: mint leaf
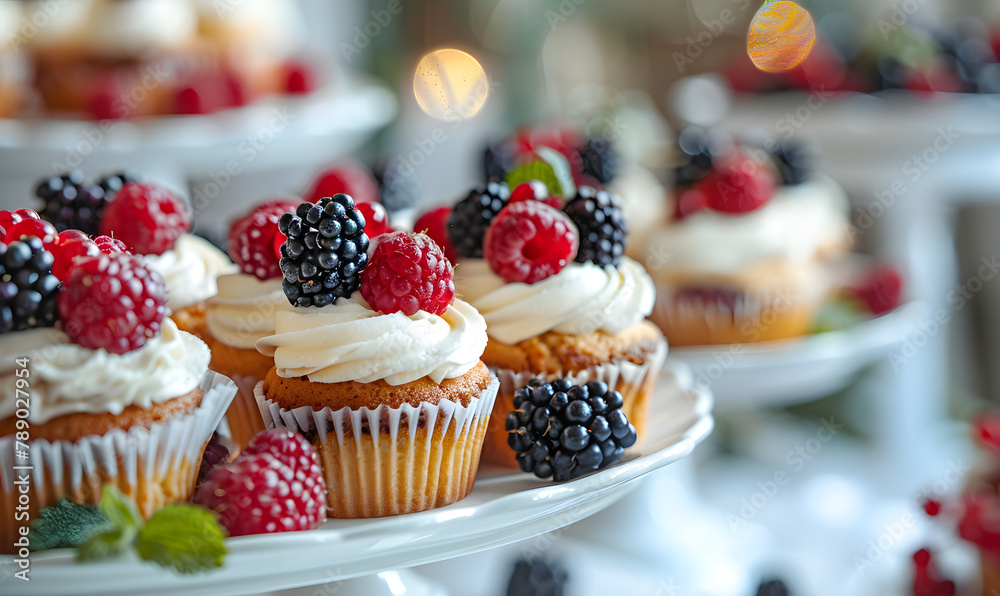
point(536, 170)
point(187, 538)
point(67, 525)
point(119, 509)
point(106, 544)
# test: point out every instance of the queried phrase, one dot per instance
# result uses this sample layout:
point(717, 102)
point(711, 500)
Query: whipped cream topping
point(580, 299)
point(347, 341)
point(797, 223)
point(65, 377)
point(272, 24)
point(190, 270)
point(243, 310)
point(117, 26)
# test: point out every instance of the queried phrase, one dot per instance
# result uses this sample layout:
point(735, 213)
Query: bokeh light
point(450, 85)
point(780, 37)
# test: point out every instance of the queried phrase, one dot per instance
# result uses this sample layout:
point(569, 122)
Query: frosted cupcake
point(378, 366)
point(559, 297)
point(113, 393)
point(745, 256)
point(243, 312)
point(151, 221)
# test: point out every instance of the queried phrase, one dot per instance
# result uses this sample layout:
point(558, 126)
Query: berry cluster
point(325, 251)
point(592, 160)
point(565, 431)
point(72, 202)
point(28, 289)
point(275, 485)
point(408, 272)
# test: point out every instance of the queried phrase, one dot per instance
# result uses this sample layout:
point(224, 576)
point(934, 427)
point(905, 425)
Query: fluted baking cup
point(385, 461)
point(155, 466)
point(634, 381)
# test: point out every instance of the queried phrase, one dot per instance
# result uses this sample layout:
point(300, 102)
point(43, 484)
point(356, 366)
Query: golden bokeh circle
point(781, 36)
point(450, 85)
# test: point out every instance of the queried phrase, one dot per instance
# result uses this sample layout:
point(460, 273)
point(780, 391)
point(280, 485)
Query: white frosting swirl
point(190, 270)
point(65, 377)
point(347, 341)
point(580, 299)
point(243, 310)
point(117, 26)
point(274, 25)
point(795, 225)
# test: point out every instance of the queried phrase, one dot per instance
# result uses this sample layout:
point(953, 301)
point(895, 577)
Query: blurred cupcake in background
point(13, 68)
point(243, 312)
point(745, 253)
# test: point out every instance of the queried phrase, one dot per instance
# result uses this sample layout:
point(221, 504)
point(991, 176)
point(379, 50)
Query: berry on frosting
point(325, 252)
point(598, 217)
point(471, 217)
point(112, 301)
point(376, 219)
point(147, 218)
point(690, 200)
point(108, 245)
point(435, 224)
point(881, 290)
point(563, 430)
point(350, 178)
point(67, 247)
point(38, 228)
point(299, 78)
point(275, 485)
point(252, 236)
point(28, 290)
point(9, 218)
point(530, 241)
point(599, 160)
point(70, 202)
point(738, 184)
point(407, 273)
point(534, 190)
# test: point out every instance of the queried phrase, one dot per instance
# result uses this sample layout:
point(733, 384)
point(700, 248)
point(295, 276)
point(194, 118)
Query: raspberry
point(38, 228)
point(108, 245)
point(435, 224)
point(408, 272)
point(325, 252)
point(563, 430)
point(691, 200)
point(738, 184)
point(113, 302)
point(259, 493)
point(288, 447)
point(927, 580)
point(146, 217)
point(350, 178)
point(881, 290)
point(530, 241)
point(598, 217)
point(28, 290)
point(534, 190)
point(188, 101)
point(252, 237)
point(299, 78)
point(471, 217)
point(68, 246)
point(376, 219)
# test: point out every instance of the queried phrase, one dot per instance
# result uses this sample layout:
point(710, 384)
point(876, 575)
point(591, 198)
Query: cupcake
point(559, 297)
point(97, 385)
point(377, 365)
point(243, 312)
point(746, 255)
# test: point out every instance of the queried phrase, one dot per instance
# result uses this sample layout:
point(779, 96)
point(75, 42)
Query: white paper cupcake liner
point(378, 463)
point(155, 466)
point(634, 381)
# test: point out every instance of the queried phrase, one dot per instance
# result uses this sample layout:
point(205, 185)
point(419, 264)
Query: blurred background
point(830, 451)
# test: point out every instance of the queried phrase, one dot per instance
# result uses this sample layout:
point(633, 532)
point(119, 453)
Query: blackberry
point(772, 587)
point(396, 190)
point(216, 454)
point(599, 219)
point(71, 203)
point(696, 157)
point(28, 289)
point(325, 252)
point(537, 578)
point(113, 183)
point(496, 161)
point(565, 431)
point(599, 160)
point(472, 215)
point(792, 162)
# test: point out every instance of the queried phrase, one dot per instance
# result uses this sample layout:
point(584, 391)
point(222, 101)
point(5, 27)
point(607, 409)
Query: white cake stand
point(501, 509)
